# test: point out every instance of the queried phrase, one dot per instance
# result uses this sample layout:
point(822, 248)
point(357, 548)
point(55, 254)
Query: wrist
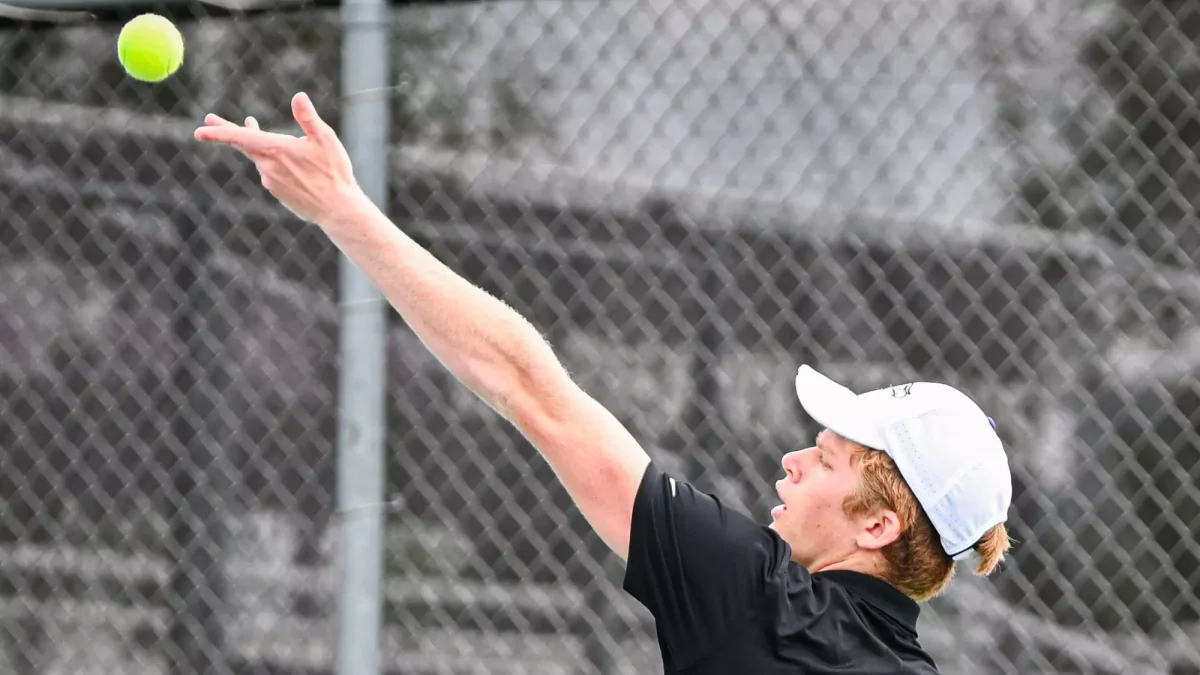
point(347, 210)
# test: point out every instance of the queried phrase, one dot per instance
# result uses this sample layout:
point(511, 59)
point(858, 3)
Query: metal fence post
point(362, 385)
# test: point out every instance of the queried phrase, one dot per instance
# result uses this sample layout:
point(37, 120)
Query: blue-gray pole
point(362, 343)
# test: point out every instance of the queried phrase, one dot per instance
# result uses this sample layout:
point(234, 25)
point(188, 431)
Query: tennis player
point(901, 484)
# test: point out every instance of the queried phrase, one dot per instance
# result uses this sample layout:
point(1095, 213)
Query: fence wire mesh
point(689, 199)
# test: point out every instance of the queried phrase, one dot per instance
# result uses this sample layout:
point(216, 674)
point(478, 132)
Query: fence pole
point(362, 343)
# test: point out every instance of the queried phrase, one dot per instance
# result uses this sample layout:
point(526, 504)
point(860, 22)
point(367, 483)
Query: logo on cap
point(902, 390)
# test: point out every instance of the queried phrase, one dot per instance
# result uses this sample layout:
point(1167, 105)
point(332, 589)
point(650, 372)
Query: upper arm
point(699, 566)
point(598, 461)
point(695, 563)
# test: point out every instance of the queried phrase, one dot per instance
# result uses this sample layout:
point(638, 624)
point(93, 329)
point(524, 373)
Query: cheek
point(818, 508)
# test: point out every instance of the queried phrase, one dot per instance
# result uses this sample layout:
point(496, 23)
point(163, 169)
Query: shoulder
point(832, 620)
point(671, 516)
point(698, 564)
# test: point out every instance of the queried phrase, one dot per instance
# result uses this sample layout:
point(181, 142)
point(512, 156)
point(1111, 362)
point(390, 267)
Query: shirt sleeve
point(698, 565)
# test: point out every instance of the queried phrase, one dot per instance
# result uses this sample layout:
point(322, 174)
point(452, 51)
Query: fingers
point(217, 121)
point(248, 139)
point(306, 116)
point(252, 140)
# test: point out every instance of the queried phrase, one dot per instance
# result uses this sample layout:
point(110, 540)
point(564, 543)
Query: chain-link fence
point(689, 199)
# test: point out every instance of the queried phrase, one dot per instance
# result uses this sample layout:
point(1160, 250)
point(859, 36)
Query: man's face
point(811, 517)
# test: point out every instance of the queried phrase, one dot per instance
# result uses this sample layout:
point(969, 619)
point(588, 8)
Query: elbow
point(529, 387)
point(545, 402)
point(540, 396)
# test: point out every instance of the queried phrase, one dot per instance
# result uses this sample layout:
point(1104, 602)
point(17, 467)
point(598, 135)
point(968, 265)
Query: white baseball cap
point(944, 445)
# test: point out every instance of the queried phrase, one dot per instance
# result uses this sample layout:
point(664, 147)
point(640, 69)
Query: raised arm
point(502, 358)
point(487, 345)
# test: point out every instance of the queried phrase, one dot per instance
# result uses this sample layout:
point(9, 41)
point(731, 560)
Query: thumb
point(306, 115)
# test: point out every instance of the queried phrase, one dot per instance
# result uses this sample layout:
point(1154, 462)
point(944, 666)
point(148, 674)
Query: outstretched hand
point(311, 175)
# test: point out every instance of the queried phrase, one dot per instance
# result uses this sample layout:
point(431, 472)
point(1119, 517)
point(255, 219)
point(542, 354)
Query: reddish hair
point(916, 564)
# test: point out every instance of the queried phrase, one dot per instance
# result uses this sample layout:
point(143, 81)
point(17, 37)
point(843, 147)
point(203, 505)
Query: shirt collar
point(879, 593)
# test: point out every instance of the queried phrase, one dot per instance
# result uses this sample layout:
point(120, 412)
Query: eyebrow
point(823, 446)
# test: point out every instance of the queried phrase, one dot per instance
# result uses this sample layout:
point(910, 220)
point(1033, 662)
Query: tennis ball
point(150, 47)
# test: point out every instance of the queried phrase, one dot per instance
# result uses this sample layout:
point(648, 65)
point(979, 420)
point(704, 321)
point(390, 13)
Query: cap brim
point(836, 408)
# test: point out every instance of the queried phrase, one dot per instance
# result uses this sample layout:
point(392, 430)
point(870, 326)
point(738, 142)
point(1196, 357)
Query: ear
point(879, 529)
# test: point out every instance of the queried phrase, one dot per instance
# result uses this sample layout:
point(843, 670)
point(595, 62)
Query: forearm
point(487, 345)
point(484, 343)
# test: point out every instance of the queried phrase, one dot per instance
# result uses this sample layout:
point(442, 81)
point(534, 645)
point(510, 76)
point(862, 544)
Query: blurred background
point(689, 199)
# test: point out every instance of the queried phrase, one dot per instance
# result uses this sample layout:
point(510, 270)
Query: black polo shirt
point(728, 599)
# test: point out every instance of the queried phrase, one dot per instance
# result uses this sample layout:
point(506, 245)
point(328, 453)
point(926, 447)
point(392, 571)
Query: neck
point(862, 562)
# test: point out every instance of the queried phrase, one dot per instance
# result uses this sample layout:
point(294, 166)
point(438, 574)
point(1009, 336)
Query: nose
point(791, 464)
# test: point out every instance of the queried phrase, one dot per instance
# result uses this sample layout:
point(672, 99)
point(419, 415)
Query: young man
point(902, 482)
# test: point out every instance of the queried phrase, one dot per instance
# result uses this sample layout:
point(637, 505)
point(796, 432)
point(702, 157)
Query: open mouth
point(778, 510)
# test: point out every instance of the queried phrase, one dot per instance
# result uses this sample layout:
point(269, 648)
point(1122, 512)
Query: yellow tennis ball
point(150, 47)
